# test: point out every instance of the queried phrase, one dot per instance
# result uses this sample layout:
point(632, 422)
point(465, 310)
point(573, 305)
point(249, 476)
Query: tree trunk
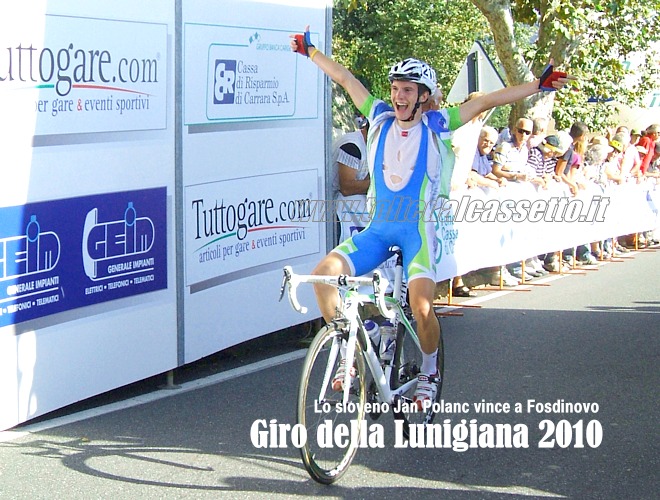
point(499, 16)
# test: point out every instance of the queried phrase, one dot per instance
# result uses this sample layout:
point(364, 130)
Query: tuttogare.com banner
point(64, 74)
point(238, 224)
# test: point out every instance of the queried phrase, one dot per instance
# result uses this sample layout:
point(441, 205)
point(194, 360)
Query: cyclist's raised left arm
point(333, 69)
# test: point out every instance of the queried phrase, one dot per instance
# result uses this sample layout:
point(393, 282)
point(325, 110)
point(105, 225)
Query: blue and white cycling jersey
point(400, 199)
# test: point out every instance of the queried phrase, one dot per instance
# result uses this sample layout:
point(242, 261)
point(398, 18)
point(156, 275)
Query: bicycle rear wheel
point(407, 363)
point(320, 408)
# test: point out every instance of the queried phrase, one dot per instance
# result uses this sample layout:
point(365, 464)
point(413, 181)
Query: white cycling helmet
point(414, 70)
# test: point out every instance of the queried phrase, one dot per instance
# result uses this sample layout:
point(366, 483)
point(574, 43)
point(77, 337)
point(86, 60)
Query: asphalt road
point(589, 338)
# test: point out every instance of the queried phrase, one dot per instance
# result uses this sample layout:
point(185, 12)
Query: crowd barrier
point(486, 227)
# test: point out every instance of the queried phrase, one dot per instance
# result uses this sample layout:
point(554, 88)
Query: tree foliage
point(369, 38)
point(607, 45)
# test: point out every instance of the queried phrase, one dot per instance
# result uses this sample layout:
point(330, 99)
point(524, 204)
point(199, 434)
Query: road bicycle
point(374, 386)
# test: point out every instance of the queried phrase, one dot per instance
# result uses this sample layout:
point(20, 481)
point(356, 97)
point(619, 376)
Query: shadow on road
point(198, 442)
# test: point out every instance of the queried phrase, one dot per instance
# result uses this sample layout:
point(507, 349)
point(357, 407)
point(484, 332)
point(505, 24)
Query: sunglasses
point(523, 131)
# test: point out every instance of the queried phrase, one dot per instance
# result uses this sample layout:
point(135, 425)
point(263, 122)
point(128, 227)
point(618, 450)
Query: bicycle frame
point(371, 384)
point(389, 307)
point(382, 373)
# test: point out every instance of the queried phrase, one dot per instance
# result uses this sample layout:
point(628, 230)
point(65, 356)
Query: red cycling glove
point(304, 43)
point(548, 77)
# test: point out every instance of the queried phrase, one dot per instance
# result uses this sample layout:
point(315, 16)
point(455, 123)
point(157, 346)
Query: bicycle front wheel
point(407, 363)
point(321, 410)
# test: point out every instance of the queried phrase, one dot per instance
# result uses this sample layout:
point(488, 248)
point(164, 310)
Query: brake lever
point(285, 280)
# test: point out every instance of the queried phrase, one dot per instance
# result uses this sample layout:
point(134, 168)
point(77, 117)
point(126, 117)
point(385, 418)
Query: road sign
point(477, 74)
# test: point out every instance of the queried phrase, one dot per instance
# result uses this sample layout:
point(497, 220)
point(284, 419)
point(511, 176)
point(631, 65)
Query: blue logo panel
point(224, 81)
point(63, 254)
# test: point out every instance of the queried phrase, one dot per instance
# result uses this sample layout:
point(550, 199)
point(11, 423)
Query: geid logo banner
point(251, 74)
point(64, 254)
point(64, 75)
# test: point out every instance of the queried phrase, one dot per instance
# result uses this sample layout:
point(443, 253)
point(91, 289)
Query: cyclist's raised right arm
point(336, 72)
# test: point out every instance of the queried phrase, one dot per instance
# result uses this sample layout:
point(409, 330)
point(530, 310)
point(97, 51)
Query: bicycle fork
point(351, 313)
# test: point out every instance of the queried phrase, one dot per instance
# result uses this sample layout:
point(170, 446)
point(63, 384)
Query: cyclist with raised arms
point(410, 164)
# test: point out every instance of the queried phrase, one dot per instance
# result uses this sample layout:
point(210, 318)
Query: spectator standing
point(595, 161)
point(504, 135)
point(539, 131)
point(630, 161)
point(482, 176)
point(510, 157)
point(482, 170)
point(654, 168)
point(543, 158)
point(612, 166)
point(351, 180)
point(510, 162)
point(635, 136)
point(648, 143)
point(578, 133)
point(464, 144)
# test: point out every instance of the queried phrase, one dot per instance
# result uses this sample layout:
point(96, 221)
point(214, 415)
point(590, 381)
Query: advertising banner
point(237, 224)
point(64, 75)
point(63, 254)
point(481, 228)
point(254, 131)
point(251, 75)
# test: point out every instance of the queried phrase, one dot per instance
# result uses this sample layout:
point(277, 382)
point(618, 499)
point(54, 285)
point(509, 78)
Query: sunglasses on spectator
point(523, 131)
